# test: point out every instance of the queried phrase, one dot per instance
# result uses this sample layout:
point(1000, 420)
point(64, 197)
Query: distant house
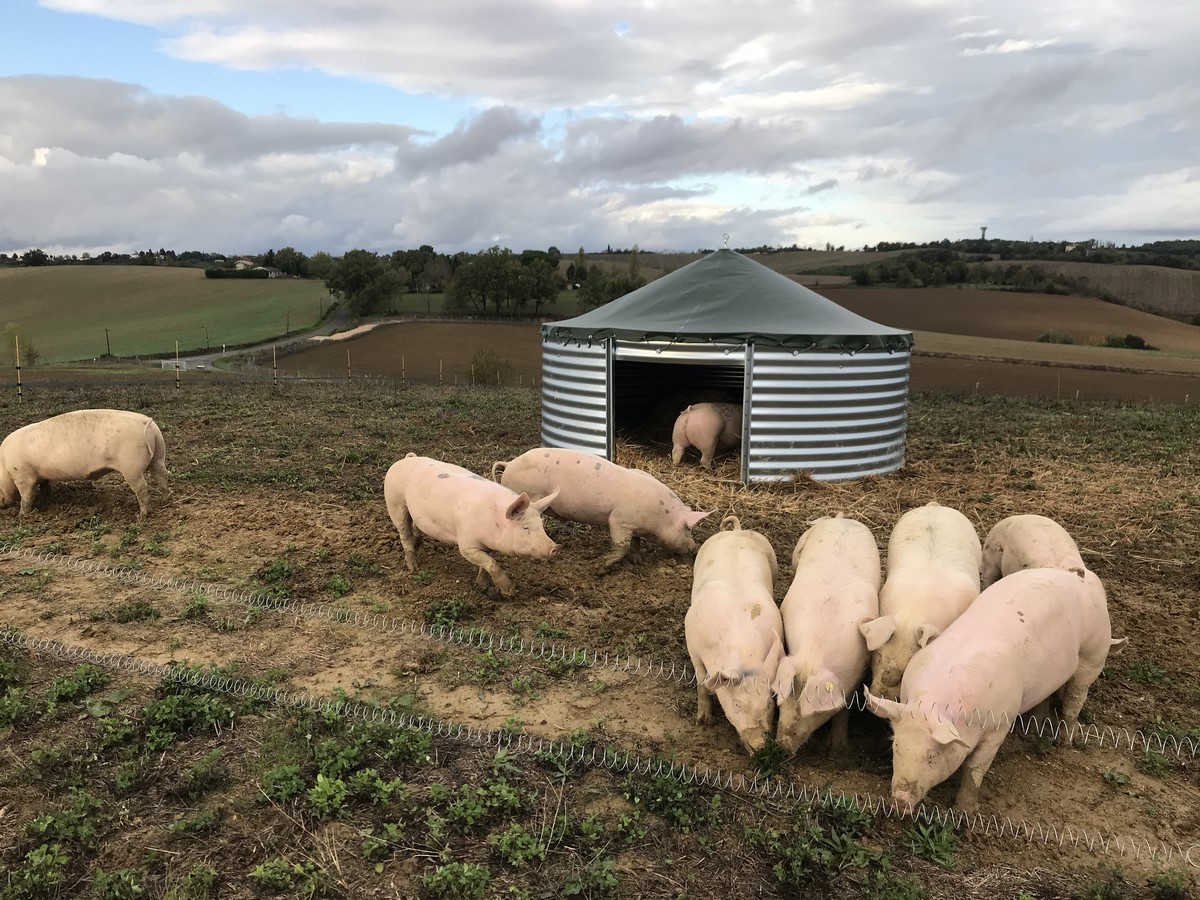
point(243, 263)
point(271, 271)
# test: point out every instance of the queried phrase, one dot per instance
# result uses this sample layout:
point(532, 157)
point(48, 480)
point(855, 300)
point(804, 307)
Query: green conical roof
point(726, 297)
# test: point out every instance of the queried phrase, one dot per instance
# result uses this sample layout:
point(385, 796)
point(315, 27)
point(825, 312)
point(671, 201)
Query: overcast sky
point(236, 126)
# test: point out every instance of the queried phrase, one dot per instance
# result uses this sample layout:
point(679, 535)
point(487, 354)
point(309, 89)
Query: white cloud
point(1009, 46)
point(659, 122)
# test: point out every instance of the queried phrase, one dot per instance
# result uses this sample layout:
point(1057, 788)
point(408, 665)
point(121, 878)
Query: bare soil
point(280, 490)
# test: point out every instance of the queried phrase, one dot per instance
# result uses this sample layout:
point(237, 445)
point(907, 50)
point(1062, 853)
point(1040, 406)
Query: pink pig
point(456, 506)
point(708, 427)
point(1028, 542)
point(835, 588)
point(932, 576)
point(1029, 635)
point(86, 443)
point(733, 631)
point(592, 490)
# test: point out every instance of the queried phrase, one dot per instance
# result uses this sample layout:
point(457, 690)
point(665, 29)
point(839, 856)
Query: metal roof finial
point(725, 241)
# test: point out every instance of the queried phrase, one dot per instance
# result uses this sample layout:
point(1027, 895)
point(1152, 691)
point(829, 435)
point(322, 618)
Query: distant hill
point(1162, 290)
point(1165, 291)
point(65, 310)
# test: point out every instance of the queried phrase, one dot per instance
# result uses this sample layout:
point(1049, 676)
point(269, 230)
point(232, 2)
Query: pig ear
point(541, 505)
point(691, 518)
point(944, 732)
point(885, 709)
point(785, 678)
point(774, 656)
point(518, 506)
point(926, 634)
point(877, 631)
point(821, 693)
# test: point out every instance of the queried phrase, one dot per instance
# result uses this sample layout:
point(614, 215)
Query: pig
point(734, 631)
point(86, 443)
point(835, 588)
point(453, 505)
point(1029, 635)
point(1028, 542)
point(592, 490)
point(933, 564)
point(708, 427)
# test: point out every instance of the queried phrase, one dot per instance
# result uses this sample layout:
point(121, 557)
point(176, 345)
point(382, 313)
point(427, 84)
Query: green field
point(65, 310)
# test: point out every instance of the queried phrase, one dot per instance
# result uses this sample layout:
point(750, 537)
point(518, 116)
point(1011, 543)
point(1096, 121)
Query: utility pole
point(206, 344)
point(107, 342)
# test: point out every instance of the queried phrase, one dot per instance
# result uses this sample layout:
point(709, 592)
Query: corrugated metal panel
point(576, 413)
point(824, 412)
point(660, 351)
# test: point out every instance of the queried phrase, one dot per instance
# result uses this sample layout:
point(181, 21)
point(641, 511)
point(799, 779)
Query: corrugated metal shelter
point(823, 390)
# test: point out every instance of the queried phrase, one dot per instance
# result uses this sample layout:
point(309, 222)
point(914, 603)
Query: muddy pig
point(708, 427)
point(592, 490)
point(734, 631)
point(932, 576)
point(1027, 636)
point(453, 505)
point(87, 443)
point(835, 588)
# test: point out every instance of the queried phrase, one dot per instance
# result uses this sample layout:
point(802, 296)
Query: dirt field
point(279, 490)
point(433, 351)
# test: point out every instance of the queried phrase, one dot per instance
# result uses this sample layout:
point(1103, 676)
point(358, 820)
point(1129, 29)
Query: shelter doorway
point(648, 396)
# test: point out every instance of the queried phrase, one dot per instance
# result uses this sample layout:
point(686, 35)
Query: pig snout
point(548, 550)
point(906, 799)
point(753, 739)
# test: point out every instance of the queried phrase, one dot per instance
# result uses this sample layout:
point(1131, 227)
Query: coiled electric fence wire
point(624, 761)
point(682, 674)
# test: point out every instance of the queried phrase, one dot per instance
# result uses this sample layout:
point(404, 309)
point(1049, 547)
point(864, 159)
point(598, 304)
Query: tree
point(321, 265)
point(35, 258)
point(492, 277)
point(540, 284)
point(581, 267)
point(600, 288)
point(291, 261)
point(365, 280)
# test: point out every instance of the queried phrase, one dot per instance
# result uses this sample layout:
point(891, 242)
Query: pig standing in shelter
point(1027, 636)
point(84, 444)
point(592, 490)
point(835, 588)
point(454, 505)
point(734, 631)
point(932, 576)
point(708, 427)
point(1028, 542)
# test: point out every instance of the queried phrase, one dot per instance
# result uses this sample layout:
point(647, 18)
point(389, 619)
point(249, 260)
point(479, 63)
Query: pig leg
point(622, 538)
point(679, 439)
point(839, 735)
point(707, 452)
point(488, 567)
point(158, 471)
point(704, 699)
point(1074, 693)
point(404, 524)
point(27, 488)
point(137, 483)
point(974, 767)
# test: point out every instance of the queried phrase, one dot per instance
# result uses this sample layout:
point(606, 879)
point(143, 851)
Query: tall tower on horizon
point(983, 232)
